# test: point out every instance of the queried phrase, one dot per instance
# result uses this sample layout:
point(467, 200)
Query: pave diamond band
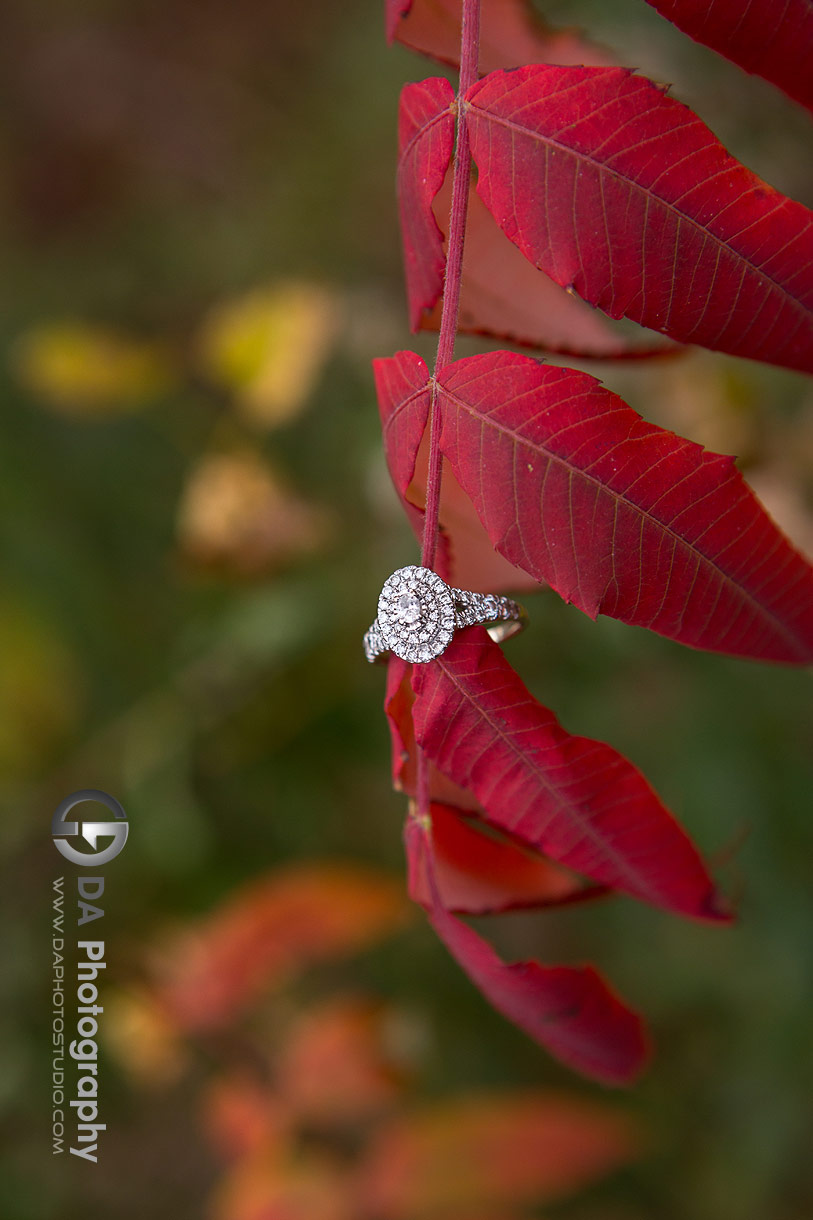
point(418, 613)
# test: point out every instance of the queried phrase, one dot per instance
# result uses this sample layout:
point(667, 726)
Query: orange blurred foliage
point(309, 1187)
point(312, 1123)
point(237, 516)
point(269, 931)
point(342, 1061)
point(243, 1118)
point(478, 1153)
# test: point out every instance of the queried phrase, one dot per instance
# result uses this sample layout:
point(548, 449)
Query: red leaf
point(505, 297)
point(480, 874)
point(568, 1010)
point(394, 11)
point(621, 517)
point(614, 188)
point(466, 557)
point(425, 141)
point(510, 34)
point(777, 45)
point(398, 707)
point(477, 872)
point(576, 800)
point(402, 386)
point(403, 397)
point(471, 561)
point(502, 294)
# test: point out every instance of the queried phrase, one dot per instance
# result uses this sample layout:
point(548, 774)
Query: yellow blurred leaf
point(268, 348)
point(139, 1034)
point(40, 694)
point(236, 514)
point(82, 369)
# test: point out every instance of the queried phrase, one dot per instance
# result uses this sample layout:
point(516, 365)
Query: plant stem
point(469, 49)
point(469, 55)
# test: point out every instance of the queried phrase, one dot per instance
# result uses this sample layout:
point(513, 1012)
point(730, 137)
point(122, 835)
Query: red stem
point(469, 49)
point(469, 55)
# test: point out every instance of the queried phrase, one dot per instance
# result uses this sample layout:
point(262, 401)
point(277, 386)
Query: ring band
point(418, 613)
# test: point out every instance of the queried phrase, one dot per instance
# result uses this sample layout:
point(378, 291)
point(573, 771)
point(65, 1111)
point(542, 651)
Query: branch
point(469, 55)
point(469, 50)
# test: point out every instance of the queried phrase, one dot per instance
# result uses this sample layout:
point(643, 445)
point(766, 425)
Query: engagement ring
point(418, 613)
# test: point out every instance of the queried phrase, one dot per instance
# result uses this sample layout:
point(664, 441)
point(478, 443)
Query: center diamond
point(416, 615)
point(408, 608)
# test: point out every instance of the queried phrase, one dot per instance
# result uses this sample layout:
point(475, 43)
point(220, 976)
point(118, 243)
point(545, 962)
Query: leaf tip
point(718, 908)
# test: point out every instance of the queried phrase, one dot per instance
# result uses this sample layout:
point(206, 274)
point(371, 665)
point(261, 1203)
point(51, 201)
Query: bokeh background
point(200, 256)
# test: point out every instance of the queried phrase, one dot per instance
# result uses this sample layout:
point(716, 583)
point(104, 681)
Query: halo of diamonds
point(416, 614)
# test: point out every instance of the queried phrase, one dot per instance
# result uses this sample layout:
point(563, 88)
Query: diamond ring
point(418, 613)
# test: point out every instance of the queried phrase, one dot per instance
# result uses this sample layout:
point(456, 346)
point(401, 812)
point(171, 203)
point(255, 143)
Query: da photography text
point(78, 953)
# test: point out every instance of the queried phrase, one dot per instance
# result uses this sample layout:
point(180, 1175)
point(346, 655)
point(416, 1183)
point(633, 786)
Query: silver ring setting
point(418, 613)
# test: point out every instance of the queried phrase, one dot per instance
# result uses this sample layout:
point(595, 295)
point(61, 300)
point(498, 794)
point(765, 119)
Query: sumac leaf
point(398, 703)
point(567, 1009)
point(402, 387)
point(772, 43)
point(425, 141)
point(502, 294)
point(510, 34)
point(504, 297)
point(466, 557)
point(621, 192)
point(403, 397)
point(394, 12)
point(578, 801)
point(479, 870)
point(480, 874)
point(620, 516)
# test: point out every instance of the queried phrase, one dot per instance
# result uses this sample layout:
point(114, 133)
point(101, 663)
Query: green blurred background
point(191, 553)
